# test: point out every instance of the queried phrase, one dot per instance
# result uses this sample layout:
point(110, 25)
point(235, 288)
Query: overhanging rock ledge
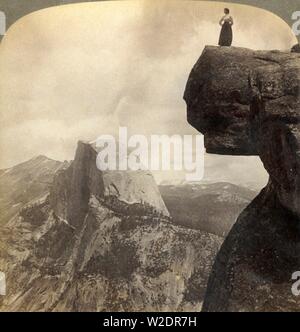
point(247, 102)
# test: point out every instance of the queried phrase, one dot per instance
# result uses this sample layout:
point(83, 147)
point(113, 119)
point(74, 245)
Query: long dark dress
point(226, 35)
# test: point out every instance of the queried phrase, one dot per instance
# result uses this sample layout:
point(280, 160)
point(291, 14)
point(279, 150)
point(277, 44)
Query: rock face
point(73, 187)
point(102, 241)
point(248, 103)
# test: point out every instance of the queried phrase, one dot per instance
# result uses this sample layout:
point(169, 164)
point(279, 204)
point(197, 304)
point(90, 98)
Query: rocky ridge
point(102, 241)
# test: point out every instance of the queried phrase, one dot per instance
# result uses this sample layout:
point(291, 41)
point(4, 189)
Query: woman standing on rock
point(226, 23)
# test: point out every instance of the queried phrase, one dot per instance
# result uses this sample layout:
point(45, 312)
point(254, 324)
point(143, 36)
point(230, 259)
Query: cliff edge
point(247, 102)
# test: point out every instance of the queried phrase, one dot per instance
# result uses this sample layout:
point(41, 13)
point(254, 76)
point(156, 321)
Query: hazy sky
point(79, 71)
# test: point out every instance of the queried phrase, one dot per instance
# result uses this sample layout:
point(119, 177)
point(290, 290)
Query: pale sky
point(78, 71)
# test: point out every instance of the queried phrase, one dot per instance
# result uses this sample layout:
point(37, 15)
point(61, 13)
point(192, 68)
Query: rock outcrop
point(102, 241)
point(247, 102)
point(73, 187)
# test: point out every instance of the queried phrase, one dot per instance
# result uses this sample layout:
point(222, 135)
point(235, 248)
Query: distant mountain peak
point(74, 186)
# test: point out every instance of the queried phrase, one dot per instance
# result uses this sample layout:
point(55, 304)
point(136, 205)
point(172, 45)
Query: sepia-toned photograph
point(149, 157)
